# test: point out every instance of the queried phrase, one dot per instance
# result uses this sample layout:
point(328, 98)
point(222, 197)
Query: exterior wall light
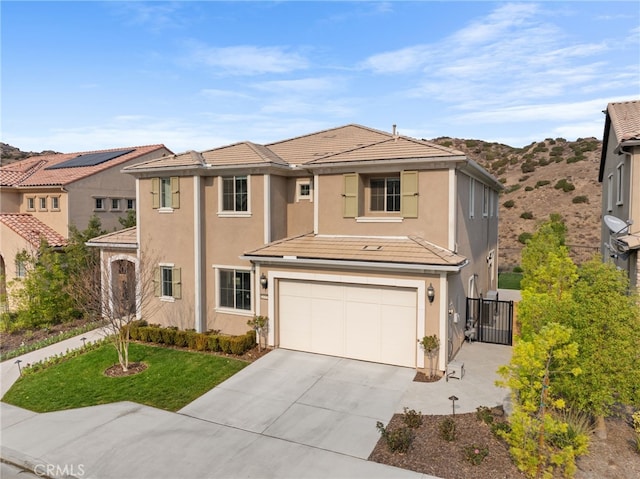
point(264, 282)
point(431, 293)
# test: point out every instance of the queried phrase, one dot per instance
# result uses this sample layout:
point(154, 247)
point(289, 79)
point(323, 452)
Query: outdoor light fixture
point(84, 342)
point(263, 281)
point(18, 361)
point(431, 293)
point(453, 399)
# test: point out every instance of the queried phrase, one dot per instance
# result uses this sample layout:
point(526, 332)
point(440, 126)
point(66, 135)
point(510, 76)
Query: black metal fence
point(489, 321)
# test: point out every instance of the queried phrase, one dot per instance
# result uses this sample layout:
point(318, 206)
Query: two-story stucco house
point(354, 242)
point(42, 196)
point(620, 177)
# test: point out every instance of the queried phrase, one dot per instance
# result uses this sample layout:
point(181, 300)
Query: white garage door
point(371, 323)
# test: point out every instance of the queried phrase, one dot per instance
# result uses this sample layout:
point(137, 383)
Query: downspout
point(199, 322)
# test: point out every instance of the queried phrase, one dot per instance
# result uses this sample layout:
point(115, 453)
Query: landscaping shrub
point(237, 345)
point(202, 341)
point(483, 413)
point(500, 428)
point(154, 334)
point(523, 178)
point(513, 188)
point(475, 453)
point(169, 336)
point(636, 427)
point(398, 440)
point(509, 204)
point(527, 215)
point(191, 337)
point(541, 183)
point(447, 429)
point(225, 344)
point(564, 185)
point(524, 237)
point(181, 339)
point(412, 418)
point(528, 188)
point(213, 343)
point(517, 269)
point(580, 199)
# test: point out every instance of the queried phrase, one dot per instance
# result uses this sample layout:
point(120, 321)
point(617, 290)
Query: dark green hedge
point(141, 331)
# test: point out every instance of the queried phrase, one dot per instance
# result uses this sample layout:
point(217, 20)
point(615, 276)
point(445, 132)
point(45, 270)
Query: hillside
point(9, 154)
point(550, 176)
point(532, 192)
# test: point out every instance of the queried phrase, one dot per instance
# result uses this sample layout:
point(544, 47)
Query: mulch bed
point(116, 370)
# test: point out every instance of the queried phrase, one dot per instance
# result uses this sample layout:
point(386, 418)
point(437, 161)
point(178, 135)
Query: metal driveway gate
point(490, 321)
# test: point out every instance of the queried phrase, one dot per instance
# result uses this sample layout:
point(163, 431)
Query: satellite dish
point(615, 224)
point(620, 249)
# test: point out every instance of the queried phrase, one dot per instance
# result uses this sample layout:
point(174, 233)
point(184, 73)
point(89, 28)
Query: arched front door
point(123, 274)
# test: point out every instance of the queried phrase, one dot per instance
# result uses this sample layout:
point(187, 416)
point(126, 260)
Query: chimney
point(393, 130)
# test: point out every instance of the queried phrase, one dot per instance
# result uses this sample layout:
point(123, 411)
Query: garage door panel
point(371, 323)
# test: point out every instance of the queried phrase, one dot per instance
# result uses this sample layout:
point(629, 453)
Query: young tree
point(125, 289)
point(532, 376)
point(605, 318)
point(129, 220)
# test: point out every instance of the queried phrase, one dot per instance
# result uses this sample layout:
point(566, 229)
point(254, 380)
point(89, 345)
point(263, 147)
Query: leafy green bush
point(398, 440)
point(509, 204)
point(475, 453)
point(181, 339)
point(541, 183)
point(564, 185)
point(447, 429)
point(575, 159)
point(154, 334)
point(225, 344)
point(580, 199)
point(513, 188)
point(169, 336)
point(527, 215)
point(517, 269)
point(523, 178)
point(483, 413)
point(500, 428)
point(528, 188)
point(524, 237)
point(213, 343)
point(412, 418)
point(191, 337)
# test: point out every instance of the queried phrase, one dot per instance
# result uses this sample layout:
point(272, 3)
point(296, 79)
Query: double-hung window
point(166, 193)
point(385, 194)
point(234, 289)
point(168, 282)
point(235, 194)
point(55, 203)
point(31, 203)
point(620, 184)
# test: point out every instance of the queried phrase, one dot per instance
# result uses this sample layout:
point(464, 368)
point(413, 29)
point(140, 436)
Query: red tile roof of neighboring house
point(35, 171)
point(32, 229)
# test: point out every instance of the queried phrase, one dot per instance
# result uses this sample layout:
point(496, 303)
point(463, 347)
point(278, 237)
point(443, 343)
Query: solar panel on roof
point(89, 159)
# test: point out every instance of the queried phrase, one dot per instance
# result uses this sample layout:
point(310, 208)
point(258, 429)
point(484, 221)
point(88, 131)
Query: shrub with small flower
point(475, 454)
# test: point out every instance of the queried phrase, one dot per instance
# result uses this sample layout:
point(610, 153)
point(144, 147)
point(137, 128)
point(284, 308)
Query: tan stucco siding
point(9, 201)
point(11, 245)
point(431, 223)
point(299, 211)
point(57, 219)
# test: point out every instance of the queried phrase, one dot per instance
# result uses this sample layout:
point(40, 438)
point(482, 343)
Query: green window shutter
point(409, 186)
point(155, 192)
point(157, 282)
point(175, 192)
point(350, 195)
point(177, 283)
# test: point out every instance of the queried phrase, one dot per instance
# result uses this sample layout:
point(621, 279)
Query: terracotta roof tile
point(35, 170)
point(32, 229)
point(625, 119)
point(402, 250)
point(245, 153)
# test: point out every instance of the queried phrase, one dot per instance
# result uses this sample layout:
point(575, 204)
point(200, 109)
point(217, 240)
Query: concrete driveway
point(290, 414)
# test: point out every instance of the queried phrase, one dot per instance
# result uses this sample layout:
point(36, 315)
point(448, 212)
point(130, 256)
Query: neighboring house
point(620, 177)
point(60, 190)
point(353, 241)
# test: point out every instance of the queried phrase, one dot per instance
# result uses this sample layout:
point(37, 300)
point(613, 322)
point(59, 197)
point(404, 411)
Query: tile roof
point(33, 171)
point(127, 236)
point(32, 229)
point(245, 153)
point(625, 119)
point(400, 250)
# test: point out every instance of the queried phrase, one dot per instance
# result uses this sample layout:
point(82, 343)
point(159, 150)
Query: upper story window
point(115, 204)
point(42, 203)
point(389, 194)
point(235, 193)
point(620, 184)
point(610, 192)
point(55, 203)
point(131, 204)
point(166, 193)
point(485, 201)
point(21, 269)
point(303, 189)
point(472, 198)
point(385, 194)
point(234, 289)
point(167, 282)
point(31, 203)
point(99, 205)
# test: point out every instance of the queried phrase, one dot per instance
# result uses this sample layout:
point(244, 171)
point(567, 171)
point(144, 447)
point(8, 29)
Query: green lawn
point(509, 280)
point(172, 379)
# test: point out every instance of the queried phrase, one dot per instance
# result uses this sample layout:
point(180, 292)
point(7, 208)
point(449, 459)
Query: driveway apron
point(321, 401)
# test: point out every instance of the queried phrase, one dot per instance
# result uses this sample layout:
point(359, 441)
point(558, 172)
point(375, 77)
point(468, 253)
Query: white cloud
point(219, 93)
point(303, 85)
point(247, 59)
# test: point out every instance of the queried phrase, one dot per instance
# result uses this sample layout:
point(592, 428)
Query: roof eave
point(369, 265)
point(360, 163)
point(112, 245)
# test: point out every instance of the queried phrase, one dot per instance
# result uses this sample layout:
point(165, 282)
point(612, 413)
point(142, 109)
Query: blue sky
point(79, 76)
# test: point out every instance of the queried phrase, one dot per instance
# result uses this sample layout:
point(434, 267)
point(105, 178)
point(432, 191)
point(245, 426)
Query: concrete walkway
point(9, 371)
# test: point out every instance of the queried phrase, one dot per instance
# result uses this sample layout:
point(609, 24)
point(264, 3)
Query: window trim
point(485, 201)
point(21, 269)
point(252, 293)
point(472, 198)
point(222, 213)
point(610, 192)
point(31, 203)
point(42, 200)
point(118, 207)
point(620, 184)
point(302, 182)
point(176, 282)
point(55, 207)
point(95, 203)
point(158, 198)
point(133, 204)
